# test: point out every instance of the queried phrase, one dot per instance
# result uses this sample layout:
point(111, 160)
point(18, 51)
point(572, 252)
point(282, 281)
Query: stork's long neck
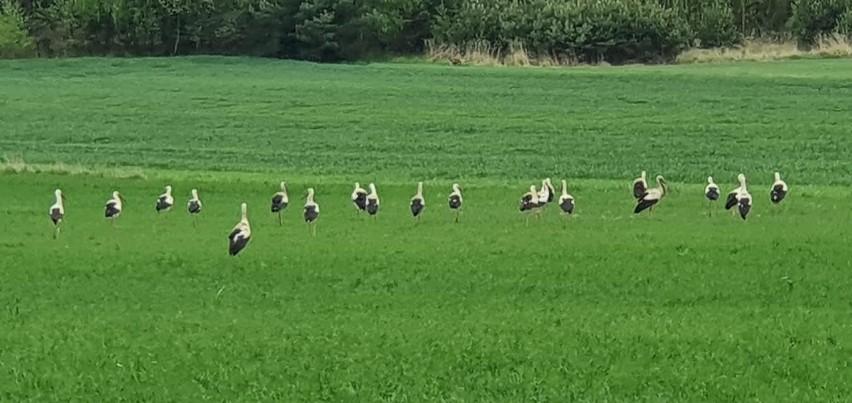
point(564, 188)
point(420, 189)
point(58, 199)
point(662, 186)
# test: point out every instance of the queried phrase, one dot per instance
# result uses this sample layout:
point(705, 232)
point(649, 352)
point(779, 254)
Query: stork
point(57, 212)
point(193, 206)
point(545, 195)
point(731, 200)
point(165, 201)
point(359, 198)
point(711, 192)
point(779, 190)
point(640, 186)
point(530, 204)
point(455, 201)
point(418, 203)
point(280, 201)
point(373, 201)
point(241, 233)
point(112, 208)
point(743, 201)
point(312, 210)
point(566, 201)
point(651, 197)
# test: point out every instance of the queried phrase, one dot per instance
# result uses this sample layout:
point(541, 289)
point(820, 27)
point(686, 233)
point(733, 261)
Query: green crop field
point(601, 306)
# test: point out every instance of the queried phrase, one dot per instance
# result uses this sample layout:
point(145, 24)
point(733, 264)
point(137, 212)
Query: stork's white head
point(357, 185)
point(741, 178)
point(777, 176)
point(643, 175)
point(373, 187)
point(310, 192)
point(710, 180)
point(243, 210)
point(168, 189)
point(194, 193)
point(59, 195)
point(283, 185)
point(456, 188)
point(564, 186)
point(660, 179)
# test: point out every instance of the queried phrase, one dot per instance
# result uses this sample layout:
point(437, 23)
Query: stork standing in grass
point(112, 208)
point(241, 233)
point(418, 203)
point(779, 190)
point(57, 212)
point(640, 186)
point(312, 211)
point(544, 195)
point(711, 192)
point(359, 198)
point(193, 206)
point(455, 201)
point(743, 201)
point(280, 200)
point(566, 201)
point(373, 201)
point(731, 200)
point(530, 204)
point(165, 201)
point(651, 197)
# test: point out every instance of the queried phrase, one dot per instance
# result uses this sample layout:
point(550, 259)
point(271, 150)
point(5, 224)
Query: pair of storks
point(240, 235)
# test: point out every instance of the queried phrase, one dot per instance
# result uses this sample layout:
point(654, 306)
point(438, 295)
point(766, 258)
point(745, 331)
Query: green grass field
point(603, 306)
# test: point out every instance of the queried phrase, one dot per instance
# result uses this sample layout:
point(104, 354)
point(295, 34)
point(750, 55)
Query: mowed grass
point(602, 306)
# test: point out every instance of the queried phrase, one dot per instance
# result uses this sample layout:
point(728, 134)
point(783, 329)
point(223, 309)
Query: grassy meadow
point(602, 306)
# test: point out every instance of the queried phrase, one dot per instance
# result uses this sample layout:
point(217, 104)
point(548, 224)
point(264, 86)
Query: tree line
point(616, 31)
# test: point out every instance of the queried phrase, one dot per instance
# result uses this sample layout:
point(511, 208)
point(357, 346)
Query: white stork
point(566, 201)
point(165, 201)
point(744, 201)
point(779, 189)
point(711, 192)
point(373, 201)
point(651, 197)
point(57, 212)
point(193, 206)
point(241, 233)
point(112, 208)
point(640, 187)
point(545, 195)
point(530, 204)
point(312, 210)
point(418, 203)
point(359, 198)
point(280, 200)
point(731, 200)
point(455, 200)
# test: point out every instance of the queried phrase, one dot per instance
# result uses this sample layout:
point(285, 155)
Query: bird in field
point(455, 201)
point(165, 201)
point(779, 189)
point(193, 206)
point(373, 201)
point(651, 197)
point(57, 212)
point(731, 199)
point(359, 198)
point(112, 208)
point(640, 186)
point(744, 202)
point(530, 204)
point(240, 235)
point(545, 194)
point(566, 201)
point(280, 200)
point(711, 192)
point(418, 203)
point(312, 211)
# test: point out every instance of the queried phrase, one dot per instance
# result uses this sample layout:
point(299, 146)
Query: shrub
point(714, 26)
point(812, 19)
point(14, 40)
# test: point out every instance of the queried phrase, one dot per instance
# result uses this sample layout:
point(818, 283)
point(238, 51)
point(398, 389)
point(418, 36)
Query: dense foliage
point(334, 30)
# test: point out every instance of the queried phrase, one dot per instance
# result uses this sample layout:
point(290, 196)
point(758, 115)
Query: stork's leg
point(56, 232)
point(314, 228)
point(456, 215)
point(280, 220)
point(195, 221)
